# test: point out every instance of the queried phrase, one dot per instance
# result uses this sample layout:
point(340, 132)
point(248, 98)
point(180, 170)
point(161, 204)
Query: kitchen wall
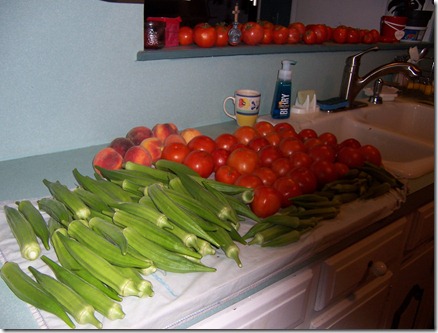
point(69, 77)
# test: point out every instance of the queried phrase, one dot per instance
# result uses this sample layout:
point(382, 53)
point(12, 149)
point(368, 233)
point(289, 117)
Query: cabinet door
point(358, 264)
point(279, 306)
point(364, 309)
point(413, 296)
point(422, 226)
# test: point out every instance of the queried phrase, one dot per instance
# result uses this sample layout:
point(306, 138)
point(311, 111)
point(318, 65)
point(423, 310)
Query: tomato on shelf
point(204, 35)
point(185, 36)
point(252, 33)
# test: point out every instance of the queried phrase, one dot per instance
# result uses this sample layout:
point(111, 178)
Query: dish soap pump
point(283, 90)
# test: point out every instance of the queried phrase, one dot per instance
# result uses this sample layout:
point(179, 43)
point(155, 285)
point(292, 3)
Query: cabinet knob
point(379, 268)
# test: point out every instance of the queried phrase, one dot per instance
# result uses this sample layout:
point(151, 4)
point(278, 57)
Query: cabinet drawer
point(364, 309)
point(279, 306)
point(355, 266)
point(422, 226)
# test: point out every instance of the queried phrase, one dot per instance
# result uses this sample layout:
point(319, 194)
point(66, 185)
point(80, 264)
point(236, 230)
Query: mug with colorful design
point(246, 106)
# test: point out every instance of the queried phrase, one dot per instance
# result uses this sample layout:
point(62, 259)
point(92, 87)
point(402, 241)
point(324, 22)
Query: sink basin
point(412, 119)
point(404, 132)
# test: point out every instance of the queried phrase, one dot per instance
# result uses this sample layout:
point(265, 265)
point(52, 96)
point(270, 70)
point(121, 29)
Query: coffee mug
point(246, 106)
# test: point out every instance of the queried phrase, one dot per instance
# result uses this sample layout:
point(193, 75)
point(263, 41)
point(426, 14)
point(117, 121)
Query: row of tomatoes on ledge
point(264, 32)
point(277, 161)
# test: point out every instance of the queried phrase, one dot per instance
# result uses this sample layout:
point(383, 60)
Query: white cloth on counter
point(180, 298)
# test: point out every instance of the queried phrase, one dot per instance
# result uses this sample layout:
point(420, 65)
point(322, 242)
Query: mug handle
point(225, 106)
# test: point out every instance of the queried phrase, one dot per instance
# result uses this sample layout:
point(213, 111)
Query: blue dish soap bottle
point(283, 90)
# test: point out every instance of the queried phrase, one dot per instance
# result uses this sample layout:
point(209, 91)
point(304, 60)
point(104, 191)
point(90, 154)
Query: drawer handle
point(378, 268)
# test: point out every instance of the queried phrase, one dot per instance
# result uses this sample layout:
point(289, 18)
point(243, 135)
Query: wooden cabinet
point(412, 304)
point(397, 293)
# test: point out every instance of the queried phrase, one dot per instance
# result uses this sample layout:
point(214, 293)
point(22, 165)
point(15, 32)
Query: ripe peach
point(139, 155)
point(154, 146)
point(162, 131)
point(189, 133)
point(172, 138)
point(121, 145)
point(108, 158)
point(138, 134)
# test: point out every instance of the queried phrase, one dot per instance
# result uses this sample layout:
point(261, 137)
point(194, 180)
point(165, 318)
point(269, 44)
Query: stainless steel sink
point(404, 132)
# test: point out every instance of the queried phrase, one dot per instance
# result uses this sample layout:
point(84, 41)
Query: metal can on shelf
point(154, 34)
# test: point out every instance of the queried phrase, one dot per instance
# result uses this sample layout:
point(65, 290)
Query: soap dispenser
point(283, 89)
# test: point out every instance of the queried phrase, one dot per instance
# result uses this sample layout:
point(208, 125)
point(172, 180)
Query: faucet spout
point(391, 68)
point(352, 83)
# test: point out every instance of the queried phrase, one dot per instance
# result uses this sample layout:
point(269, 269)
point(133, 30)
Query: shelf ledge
point(181, 52)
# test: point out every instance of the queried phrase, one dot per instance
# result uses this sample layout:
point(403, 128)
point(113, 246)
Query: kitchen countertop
point(180, 300)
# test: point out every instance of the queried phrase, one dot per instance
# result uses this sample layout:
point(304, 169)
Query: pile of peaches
point(143, 145)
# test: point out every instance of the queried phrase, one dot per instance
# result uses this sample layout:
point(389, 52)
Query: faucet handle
point(354, 60)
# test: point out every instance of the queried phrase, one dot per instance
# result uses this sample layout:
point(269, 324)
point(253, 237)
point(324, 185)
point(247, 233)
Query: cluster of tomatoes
point(265, 32)
point(275, 160)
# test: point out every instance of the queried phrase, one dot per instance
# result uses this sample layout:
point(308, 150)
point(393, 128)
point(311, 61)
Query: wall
point(70, 79)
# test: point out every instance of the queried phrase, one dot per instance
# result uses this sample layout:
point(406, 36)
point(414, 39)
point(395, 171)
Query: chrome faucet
point(352, 83)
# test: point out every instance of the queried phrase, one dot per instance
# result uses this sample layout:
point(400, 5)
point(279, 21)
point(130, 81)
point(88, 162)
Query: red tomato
point(328, 139)
point(312, 142)
point(267, 201)
point(320, 32)
point(376, 35)
point(289, 134)
point(324, 171)
point(307, 133)
point(175, 151)
point(350, 156)
point(185, 36)
point(300, 27)
point(353, 36)
point(226, 174)
point(245, 134)
point(225, 141)
point(273, 138)
point(268, 36)
point(201, 162)
point(252, 33)
point(244, 160)
point(221, 35)
point(300, 159)
point(258, 143)
point(268, 154)
point(293, 36)
point(266, 24)
point(281, 166)
point(204, 35)
point(283, 126)
point(341, 168)
point(238, 145)
point(309, 37)
point(202, 142)
point(329, 33)
point(280, 34)
point(250, 181)
point(220, 157)
point(305, 179)
point(322, 152)
point(340, 34)
point(264, 127)
point(266, 174)
point(288, 146)
point(351, 142)
point(371, 154)
point(288, 189)
point(368, 38)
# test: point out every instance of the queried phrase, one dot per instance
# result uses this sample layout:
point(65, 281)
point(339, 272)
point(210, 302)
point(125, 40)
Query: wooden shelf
point(181, 52)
